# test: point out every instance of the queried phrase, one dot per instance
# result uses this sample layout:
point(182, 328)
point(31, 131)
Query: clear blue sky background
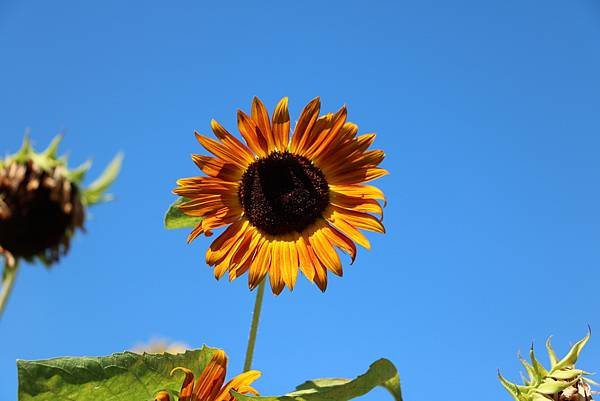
point(488, 113)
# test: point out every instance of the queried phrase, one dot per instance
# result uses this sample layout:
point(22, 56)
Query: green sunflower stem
point(254, 325)
point(8, 281)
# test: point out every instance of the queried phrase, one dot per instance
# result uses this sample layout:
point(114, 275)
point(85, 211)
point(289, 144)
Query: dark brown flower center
point(283, 193)
point(39, 211)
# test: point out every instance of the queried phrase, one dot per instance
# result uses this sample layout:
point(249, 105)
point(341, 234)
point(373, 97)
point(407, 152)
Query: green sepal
point(530, 371)
point(551, 353)
point(51, 150)
point(25, 151)
point(95, 193)
point(571, 357)
point(175, 218)
point(551, 386)
point(380, 373)
point(514, 389)
point(567, 374)
point(78, 173)
point(539, 370)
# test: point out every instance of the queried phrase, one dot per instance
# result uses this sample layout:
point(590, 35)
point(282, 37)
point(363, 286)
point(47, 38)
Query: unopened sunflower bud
point(42, 203)
point(562, 382)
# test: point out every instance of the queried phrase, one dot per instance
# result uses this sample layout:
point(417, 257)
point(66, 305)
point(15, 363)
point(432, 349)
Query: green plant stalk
point(254, 325)
point(7, 285)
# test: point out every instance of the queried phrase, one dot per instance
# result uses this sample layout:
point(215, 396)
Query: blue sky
point(487, 111)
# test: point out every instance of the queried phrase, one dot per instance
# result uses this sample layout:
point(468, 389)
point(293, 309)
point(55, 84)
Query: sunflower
point(209, 386)
point(287, 202)
point(43, 203)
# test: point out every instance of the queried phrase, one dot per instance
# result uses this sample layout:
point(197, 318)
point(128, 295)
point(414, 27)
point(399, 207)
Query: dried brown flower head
point(42, 203)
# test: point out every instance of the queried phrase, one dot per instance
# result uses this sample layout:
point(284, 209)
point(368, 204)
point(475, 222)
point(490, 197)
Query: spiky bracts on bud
point(43, 203)
point(562, 382)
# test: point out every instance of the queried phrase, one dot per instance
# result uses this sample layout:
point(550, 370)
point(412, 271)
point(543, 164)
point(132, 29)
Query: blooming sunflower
point(209, 386)
point(287, 202)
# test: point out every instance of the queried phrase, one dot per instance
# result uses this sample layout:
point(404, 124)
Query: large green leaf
point(120, 377)
point(175, 218)
point(380, 373)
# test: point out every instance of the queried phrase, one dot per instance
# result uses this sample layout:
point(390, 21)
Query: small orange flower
point(209, 386)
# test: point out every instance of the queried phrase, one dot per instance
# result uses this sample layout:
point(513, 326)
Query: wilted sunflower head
point(42, 203)
point(288, 202)
point(562, 382)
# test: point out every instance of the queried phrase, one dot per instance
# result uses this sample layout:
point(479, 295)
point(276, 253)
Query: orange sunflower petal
point(359, 191)
point(210, 381)
point(307, 119)
point(187, 388)
point(260, 265)
point(304, 259)
point(224, 242)
point(348, 132)
point(240, 384)
point(357, 204)
point(252, 134)
point(261, 118)
point(242, 259)
point(218, 168)
point(348, 150)
point(322, 124)
point(324, 250)
point(360, 220)
point(339, 240)
point(289, 266)
point(197, 231)
point(222, 151)
point(358, 176)
point(281, 125)
point(365, 161)
point(234, 145)
point(199, 186)
point(218, 219)
point(204, 205)
point(275, 271)
point(338, 221)
point(320, 277)
point(328, 136)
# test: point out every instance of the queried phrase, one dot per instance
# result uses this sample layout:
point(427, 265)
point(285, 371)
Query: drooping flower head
point(287, 202)
point(209, 385)
point(562, 382)
point(43, 203)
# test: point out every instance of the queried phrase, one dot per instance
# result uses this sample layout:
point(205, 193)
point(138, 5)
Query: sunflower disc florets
point(562, 382)
point(42, 203)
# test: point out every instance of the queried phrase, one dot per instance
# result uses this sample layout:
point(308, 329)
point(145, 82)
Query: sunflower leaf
point(120, 377)
point(380, 373)
point(175, 218)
